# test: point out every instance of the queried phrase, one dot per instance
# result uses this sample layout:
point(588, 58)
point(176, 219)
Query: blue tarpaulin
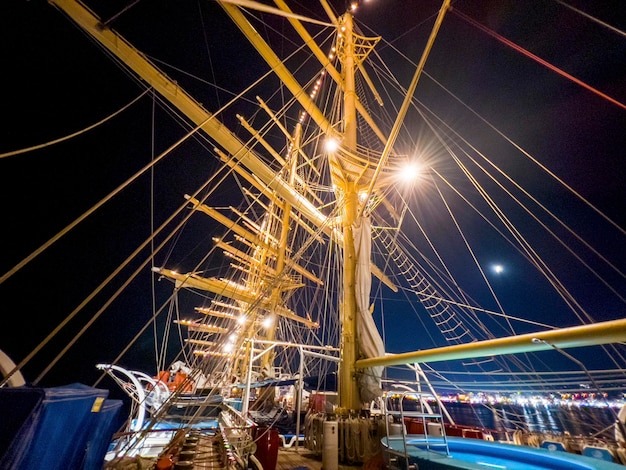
point(56, 428)
point(327, 383)
point(18, 409)
point(98, 443)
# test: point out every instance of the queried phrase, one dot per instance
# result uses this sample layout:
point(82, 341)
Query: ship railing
point(237, 430)
point(432, 435)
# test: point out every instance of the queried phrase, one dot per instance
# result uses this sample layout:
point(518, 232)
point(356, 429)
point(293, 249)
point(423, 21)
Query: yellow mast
point(348, 198)
point(276, 296)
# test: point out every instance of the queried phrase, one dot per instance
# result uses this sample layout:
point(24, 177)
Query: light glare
point(331, 144)
point(409, 172)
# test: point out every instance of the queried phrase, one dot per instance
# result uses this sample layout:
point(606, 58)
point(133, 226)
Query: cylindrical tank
point(330, 449)
point(267, 441)
point(395, 428)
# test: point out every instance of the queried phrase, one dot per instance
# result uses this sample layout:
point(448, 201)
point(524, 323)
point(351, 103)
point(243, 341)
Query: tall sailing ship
point(342, 208)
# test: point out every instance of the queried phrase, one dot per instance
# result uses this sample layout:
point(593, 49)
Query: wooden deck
point(304, 459)
point(301, 459)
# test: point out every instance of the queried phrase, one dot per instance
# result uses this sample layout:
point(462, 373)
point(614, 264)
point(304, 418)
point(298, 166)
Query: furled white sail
point(369, 340)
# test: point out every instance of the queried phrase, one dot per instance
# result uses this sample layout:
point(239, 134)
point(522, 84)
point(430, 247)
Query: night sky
point(56, 82)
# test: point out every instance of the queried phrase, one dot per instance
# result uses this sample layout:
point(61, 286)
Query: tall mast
point(348, 198)
point(292, 160)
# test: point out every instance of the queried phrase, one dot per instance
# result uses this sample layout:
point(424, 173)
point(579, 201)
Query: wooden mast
point(348, 199)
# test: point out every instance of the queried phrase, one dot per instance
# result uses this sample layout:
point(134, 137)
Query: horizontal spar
point(586, 335)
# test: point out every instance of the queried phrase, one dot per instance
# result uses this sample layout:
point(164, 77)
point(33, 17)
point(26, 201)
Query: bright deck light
point(331, 144)
point(409, 172)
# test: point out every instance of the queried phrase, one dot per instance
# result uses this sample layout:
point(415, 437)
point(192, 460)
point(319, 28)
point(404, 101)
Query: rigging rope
point(595, 20)
point(537, 59)
point(77, 133)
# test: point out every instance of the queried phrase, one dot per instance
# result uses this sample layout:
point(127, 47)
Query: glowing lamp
point(331, 144)
point(409, 172)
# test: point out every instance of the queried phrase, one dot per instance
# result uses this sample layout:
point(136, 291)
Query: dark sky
point(56, 82)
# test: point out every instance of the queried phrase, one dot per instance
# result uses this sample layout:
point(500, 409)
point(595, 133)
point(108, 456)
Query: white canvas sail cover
point(369, 340)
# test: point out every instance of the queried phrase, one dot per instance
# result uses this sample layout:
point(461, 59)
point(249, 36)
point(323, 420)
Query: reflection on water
point(551, 418)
